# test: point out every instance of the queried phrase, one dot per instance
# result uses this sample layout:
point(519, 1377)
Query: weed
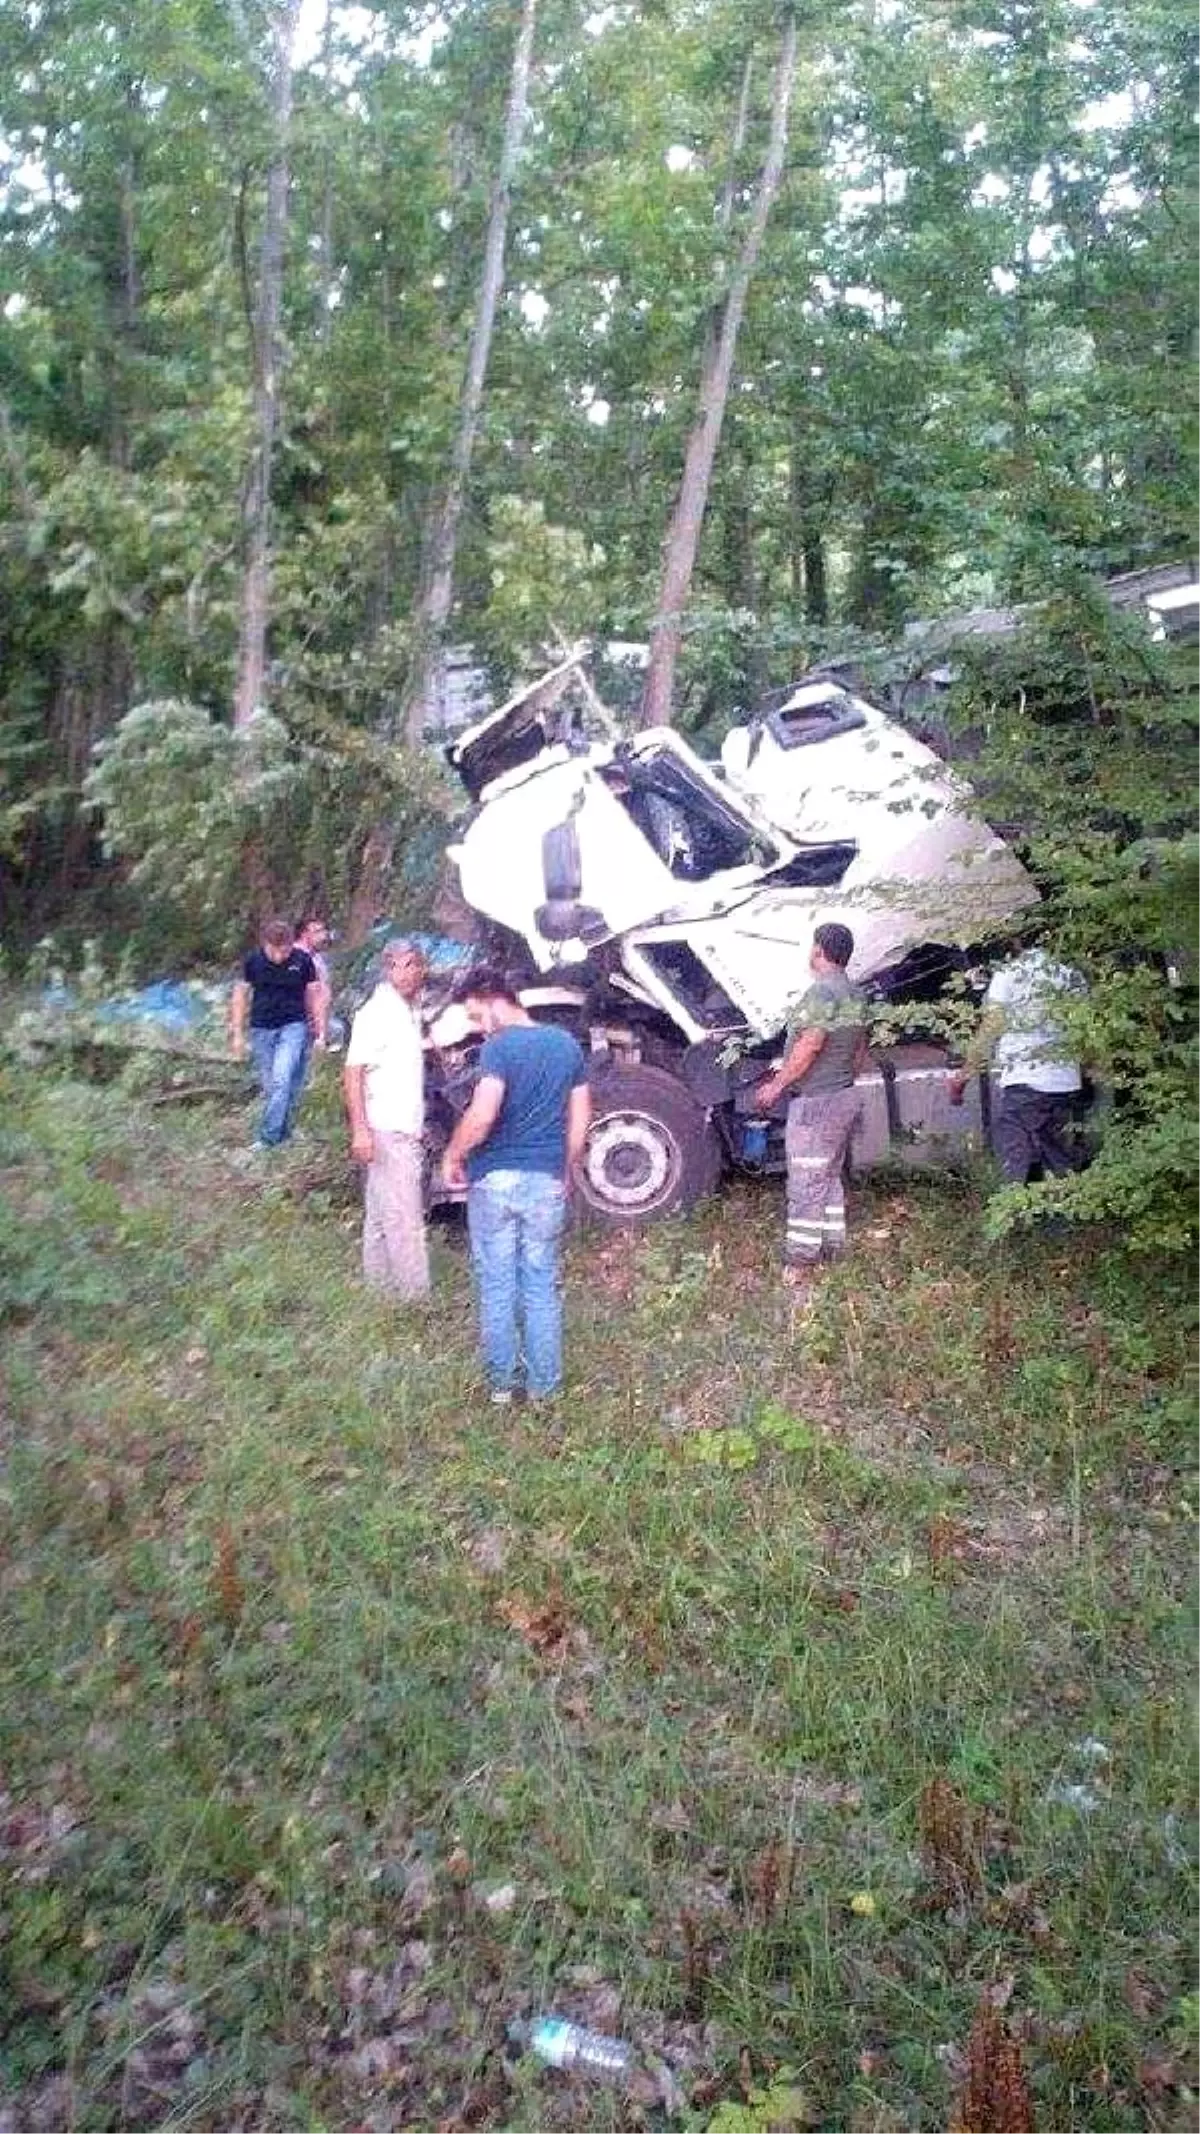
point(780, 2104)
point(951, 1842)
point(994, 2098)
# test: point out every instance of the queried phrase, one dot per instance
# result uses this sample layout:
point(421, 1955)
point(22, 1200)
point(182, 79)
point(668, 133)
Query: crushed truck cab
point(663, 907)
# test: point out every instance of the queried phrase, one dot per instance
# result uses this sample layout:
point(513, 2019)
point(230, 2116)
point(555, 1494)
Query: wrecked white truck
point(662, 908)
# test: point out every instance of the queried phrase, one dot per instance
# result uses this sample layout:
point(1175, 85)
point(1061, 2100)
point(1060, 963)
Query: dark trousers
point(1030, 1129)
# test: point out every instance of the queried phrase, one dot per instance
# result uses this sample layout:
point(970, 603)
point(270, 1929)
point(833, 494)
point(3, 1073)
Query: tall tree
point(683, 536)
point(436, 590)
point(267, 357)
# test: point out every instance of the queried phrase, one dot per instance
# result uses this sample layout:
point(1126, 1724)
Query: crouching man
point(514, 1148)
point(826, 1052)
point(384, 1086)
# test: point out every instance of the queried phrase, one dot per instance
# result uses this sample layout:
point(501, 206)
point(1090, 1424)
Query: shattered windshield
point(692, 832)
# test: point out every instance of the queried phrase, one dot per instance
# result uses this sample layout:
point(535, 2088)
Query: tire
point(651, 1150)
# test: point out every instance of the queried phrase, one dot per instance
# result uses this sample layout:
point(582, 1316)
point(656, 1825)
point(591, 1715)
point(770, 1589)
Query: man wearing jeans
point(514, 1148)
point(279, 995)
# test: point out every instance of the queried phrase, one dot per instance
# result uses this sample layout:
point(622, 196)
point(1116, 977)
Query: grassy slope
point(309, 1654)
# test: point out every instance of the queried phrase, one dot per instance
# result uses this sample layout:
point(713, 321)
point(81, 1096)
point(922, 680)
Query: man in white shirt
point(1039, 1077)
point(383, 1081)
point(313, 936)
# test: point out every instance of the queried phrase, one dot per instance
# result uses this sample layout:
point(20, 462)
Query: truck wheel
point(650, 1151)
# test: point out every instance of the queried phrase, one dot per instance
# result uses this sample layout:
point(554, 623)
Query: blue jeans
point(515, 1220)
point(281, 1057)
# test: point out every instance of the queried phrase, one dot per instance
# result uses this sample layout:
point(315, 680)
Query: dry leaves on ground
point(544, 1625)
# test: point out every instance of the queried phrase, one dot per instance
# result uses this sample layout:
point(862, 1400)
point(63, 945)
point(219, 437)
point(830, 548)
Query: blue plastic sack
point(166, 1002)
point(439, 951)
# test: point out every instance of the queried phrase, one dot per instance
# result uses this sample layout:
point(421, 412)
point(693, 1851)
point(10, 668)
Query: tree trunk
point(121, 412)
point(92, 692)
point(683, 536)
point(805, 542)
point(741, 582)
point(816, 589)
point(18, 470)
point(369, 893)
point(441, 530)
point(256, 509)
point(325, 318)
point(738, 574)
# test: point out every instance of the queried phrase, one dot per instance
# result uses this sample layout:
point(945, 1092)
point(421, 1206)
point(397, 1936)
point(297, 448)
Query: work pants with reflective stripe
point(818, 1136)
point(395, 1256)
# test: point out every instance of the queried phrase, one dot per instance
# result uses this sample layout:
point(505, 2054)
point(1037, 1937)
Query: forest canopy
point(964, 370)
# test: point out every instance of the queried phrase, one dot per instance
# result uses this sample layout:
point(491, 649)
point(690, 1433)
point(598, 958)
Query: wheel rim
point(631, 1162)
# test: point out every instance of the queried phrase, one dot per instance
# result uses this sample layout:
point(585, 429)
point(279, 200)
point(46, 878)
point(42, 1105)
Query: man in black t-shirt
point(278, 995)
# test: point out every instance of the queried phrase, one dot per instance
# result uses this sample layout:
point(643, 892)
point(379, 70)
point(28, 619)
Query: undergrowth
point(813, 1680)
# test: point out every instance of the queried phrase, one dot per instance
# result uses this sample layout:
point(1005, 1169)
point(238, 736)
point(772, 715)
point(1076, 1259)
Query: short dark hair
point(310, 918)
point(277, 933)
point(485, 982)
point(835, 941)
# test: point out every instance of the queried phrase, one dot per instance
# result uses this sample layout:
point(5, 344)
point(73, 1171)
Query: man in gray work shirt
point(826, 1052)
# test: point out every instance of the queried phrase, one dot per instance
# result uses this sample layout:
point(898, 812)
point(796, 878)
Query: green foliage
point(47, 1266)
point(545, 586)
point(221, 827)
point(966, 358)
point(1088, 740)
point(780, 2107)
point(769, 1428)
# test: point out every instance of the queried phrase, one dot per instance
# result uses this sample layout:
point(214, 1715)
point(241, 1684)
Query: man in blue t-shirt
point(514, 1148)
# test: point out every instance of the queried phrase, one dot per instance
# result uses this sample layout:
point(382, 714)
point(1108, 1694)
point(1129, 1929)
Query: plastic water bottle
point(570, 2045)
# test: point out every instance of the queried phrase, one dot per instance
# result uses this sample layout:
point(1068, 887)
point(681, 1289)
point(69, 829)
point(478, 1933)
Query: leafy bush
point(1083, 737)
point(220, 826)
